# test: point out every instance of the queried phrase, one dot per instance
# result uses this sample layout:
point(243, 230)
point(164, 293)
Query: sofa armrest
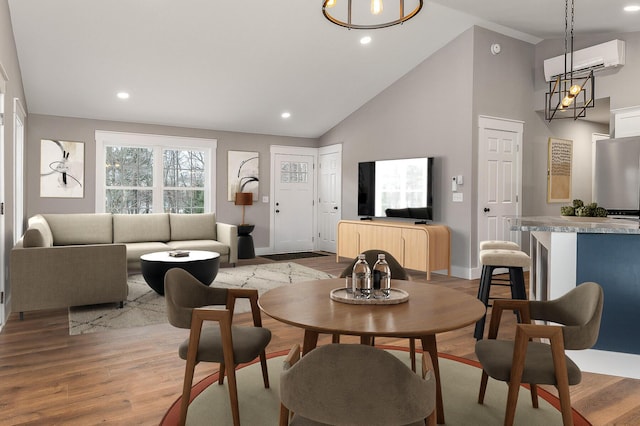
point(228, 234)
point(63, 276)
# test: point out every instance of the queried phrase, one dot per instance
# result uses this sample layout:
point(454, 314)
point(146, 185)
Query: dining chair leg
point(284, 416)
point(335, 338)
point(534, 395)
point(412, 353)
point(483, 387)
point(429, 345)
point(221, 374)
point(265, 373)
point(186, 391)
point(233, 396)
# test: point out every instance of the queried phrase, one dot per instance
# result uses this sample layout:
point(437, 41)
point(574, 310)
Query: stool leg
point(483, 295)
point(516, 277)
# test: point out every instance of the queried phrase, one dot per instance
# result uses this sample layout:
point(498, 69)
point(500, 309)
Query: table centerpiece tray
point(396, 296)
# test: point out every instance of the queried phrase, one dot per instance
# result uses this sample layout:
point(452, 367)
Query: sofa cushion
point(39, 222)
point(80, 228)
point(33, 238)
point(133, 228)
point(207, 245)
point(135, 250)
point(193, 226)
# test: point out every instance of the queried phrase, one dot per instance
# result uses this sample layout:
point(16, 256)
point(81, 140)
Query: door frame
point(4, 275)
point(290, 150)
point(502, 124)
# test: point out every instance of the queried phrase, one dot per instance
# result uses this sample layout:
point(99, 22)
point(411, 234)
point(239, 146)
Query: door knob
point(277, 211)
point(487, 209)
point(335, 208)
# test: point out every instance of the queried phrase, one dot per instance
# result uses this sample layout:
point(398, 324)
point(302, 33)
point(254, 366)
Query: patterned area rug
point(145, 307)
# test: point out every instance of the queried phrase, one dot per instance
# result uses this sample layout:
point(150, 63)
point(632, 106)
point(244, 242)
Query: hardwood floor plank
point(132, 376)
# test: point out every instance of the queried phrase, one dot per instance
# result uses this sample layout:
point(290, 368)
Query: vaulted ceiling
point(237, 65)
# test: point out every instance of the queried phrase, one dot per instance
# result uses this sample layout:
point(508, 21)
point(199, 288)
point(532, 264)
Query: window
point(151, 174)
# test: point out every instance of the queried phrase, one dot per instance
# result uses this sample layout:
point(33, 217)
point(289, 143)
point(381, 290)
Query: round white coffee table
point(203, 265)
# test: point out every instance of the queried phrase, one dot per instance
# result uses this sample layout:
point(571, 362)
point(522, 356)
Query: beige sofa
point(67, 260)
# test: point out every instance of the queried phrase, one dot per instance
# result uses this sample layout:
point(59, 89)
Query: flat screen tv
point(396, 188)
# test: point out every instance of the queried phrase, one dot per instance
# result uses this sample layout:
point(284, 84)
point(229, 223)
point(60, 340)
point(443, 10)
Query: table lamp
point(244, 199)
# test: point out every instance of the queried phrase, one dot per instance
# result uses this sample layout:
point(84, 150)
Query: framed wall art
point(560, 153)
point(243, 170)
point(61, 169)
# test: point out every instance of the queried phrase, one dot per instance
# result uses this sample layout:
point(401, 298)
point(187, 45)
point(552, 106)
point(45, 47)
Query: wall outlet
point(457, 197)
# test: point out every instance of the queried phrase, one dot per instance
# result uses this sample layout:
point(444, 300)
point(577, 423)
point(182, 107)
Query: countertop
point(594, 225)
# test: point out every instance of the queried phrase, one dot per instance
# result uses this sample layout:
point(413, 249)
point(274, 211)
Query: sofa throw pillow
point(200, 226)
point(33, 238)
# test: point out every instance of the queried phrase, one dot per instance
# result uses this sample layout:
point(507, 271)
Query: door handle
point(277, 211)
point(487, 209)
point(335, 208)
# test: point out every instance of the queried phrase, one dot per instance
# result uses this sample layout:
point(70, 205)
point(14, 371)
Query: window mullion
point(158, 183)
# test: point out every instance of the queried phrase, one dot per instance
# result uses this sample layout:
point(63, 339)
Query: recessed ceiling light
point(285, 115)
point(365, 40)
point(123, 95)
point(632, 8)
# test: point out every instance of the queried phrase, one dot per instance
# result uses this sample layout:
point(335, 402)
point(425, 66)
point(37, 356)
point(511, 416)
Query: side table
point(245, 242)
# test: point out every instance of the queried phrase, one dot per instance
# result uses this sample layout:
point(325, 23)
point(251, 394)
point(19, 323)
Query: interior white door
point(329, 196)
point(293, 219)
point(499, 178)
point(3, 273)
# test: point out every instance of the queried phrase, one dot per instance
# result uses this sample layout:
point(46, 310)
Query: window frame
point(158, 143)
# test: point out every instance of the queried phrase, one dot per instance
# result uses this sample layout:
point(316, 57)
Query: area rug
point(145, 307)
point(291, 256)
point(460, 383)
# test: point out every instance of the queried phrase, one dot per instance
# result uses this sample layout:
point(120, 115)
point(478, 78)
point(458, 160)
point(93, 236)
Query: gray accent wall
point(83, 130)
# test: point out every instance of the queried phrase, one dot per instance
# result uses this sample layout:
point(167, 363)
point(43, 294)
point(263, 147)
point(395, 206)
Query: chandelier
point(360, 15)
point(570, 93)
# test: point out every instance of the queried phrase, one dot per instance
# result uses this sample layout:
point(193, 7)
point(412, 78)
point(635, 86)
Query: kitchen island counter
point(568, 250)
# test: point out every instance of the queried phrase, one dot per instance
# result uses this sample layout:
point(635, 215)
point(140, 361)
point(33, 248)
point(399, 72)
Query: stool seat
point(515, 261)
point(498, 244)
point(505, 258)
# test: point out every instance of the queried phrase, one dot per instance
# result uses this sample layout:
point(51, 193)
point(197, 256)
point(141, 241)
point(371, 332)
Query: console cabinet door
point(416, 249)
point(348, 240)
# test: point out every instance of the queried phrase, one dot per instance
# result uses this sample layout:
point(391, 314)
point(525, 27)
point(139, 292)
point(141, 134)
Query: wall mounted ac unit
point(600, 56)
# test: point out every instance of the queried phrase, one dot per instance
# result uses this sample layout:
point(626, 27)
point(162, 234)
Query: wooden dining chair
point(351, 384)
point(522, 360)
point(397, 273)
point(223, 343)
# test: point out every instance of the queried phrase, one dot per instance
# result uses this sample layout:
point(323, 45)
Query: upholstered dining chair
point(397, 273)
point(351, 384)
point(189, 305)
point(577, 315)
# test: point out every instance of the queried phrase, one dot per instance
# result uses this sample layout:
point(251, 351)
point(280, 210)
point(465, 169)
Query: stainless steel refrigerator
point(616, 175)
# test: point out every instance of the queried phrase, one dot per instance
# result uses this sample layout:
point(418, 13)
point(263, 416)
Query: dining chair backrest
point(579, 311)
point(352, 384)
point(183, 292)
point(397, 271)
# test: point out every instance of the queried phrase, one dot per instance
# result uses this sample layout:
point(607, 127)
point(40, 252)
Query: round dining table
point(428, 310)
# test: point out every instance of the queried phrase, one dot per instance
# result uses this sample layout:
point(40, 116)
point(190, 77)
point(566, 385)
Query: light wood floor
point(127, 377)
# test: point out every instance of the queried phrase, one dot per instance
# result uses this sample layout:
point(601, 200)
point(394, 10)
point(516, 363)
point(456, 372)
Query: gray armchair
point(525, 361)
point(224, 343)
point(350, 384)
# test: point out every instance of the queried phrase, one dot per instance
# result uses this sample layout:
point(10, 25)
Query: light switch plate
point(457, 197)
point(265, 198)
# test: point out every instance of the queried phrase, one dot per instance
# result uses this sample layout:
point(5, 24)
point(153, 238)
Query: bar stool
point(498, 244)
point(515, 261)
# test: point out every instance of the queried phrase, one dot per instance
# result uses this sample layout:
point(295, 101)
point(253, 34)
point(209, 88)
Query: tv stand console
point(416, 246)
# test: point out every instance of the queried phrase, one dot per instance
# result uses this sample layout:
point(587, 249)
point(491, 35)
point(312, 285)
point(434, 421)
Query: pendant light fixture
point(370, 14)
point(570, 93)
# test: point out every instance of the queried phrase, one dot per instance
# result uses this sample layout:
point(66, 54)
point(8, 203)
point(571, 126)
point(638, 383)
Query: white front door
point(329, 196)
point(499, 177)
point(293, 209)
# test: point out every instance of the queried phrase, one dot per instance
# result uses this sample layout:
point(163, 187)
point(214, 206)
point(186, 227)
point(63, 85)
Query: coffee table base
point(204, 271)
